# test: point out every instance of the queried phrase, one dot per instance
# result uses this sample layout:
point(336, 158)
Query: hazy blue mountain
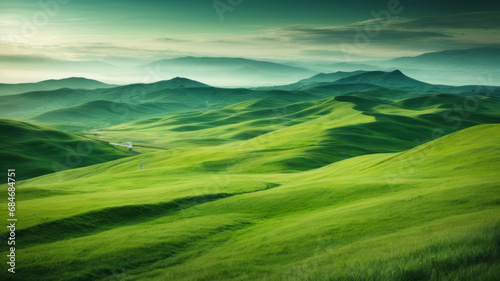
point(174, 83)
point(478, 58)
point(46, 63)
point(394, 79)
point(318, 80)
point(26, 69)
point(397, 80)
point(351, 66)
point(330, 77)
point(231, 71)
point(477, 66)
point(48, 85)
point(380, 84)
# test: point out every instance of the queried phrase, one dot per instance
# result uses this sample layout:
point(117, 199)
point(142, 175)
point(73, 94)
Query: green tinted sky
point(288, 30)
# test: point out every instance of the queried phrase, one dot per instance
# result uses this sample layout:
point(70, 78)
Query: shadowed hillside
point(34, 150)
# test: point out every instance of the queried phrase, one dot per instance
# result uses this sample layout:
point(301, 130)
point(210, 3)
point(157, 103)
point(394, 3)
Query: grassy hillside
point(428, 213)
point(26, 105)
point(99, 113)
point(34, 150)
point(339, 181)
point(76, 110)
point(259, 136)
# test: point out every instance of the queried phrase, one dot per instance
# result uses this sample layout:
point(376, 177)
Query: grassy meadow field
point(374, 176)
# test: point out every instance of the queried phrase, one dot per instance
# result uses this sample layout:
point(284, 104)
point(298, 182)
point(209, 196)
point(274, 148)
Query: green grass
point(345, 221)
point(263, 185)
point(75, 110)
point(35, 150)
point(305, 135)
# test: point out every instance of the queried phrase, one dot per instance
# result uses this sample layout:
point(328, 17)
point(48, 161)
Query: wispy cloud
point(337, 35)
point(477, 20)
point(168, 39)
point(399, 36)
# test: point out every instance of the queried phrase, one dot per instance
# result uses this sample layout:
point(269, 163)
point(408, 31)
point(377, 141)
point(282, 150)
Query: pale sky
point(88, 29)
point(132, 33)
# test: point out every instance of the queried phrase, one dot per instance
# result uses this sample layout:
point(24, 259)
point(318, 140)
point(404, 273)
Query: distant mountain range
point(318, 79)
point(394, 79)
point(46, 63)
point(48, 85)
point(452, 67)
point(230, 71)
point(338, 82)
point(348, 67)
point(471, 59)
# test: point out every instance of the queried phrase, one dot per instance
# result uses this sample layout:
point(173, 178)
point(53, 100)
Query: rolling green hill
point(76, 110)
point(306, 135)
point(130, 102)
point(374, 176)
point(34, 150)
point(121, 103)
point(429, 212)
point(98, 112)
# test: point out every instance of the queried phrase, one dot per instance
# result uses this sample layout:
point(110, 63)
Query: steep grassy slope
point(34, 150)
point(430, 213)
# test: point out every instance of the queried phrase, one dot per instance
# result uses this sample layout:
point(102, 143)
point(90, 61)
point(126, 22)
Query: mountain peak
point(397, 72)
point(182, 82)
point(384, 79)
point(178, 78)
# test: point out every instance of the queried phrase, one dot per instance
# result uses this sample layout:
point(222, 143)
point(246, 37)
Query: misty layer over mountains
point(456, 67)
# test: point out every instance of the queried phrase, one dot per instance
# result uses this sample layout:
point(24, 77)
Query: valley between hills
point(364, 175)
